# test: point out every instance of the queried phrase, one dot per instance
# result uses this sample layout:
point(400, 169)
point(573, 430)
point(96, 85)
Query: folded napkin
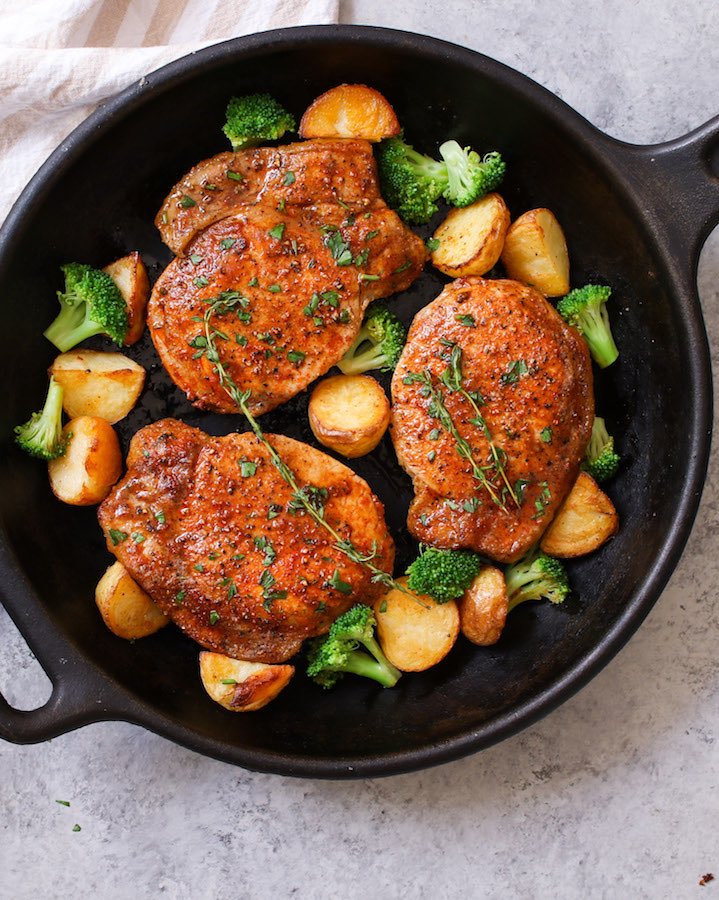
point(60, 58)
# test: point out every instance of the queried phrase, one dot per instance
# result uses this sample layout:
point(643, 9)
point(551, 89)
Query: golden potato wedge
point(471, 238)
point(130, 275)
point(350, 111)
point(585, 521)
point(483, 607)
point(91, 464)
point(239, 685)
point(415, 636)
point(535, 252)
point(96, 383)
point(349, 414)
point(125, 608)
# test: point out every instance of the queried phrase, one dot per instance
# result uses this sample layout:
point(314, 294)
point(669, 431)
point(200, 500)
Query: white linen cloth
point(60, 58)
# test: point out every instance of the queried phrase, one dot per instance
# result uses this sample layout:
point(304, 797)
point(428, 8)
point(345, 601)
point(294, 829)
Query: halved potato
point(239, 685)
point(483, 607)
point(130, 275)
point(471, 238)
point(350, 111)
point(415, 636)
point(586, 519)
point(125, 608)
point(349, 414)
point(91, 464)
point(96, 383)
point(535, 252)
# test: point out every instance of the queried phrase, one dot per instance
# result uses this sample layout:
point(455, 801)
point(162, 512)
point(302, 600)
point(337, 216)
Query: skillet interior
point(103, 206)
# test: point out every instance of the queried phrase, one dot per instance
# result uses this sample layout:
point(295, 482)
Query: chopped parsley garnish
point(186, 202)
point(331, 297)
point(160, 516)
point(288, 179)
point(370, 235)
point(265, 544)
point(253, 282)
point(277, 231)
point(383, 606)
point(63, 802)
point(362, 257)
point(138, 537)
point(200, 281)
point(227, 243)
point(179, 597)
point(198, 567)
point(403, 268)
point(267, 581)
point(241, 340)
point(231, 588)
point(199, 341)
point(432, 455)
point(247, 468)
point(195, 258)
point(210, 187)
point(214, 617)
point(273, 510)
point(339, 248)
point(296, 356)
point(515, 370)
point(117, 537)
point(542, 501)
point(546, 435)
point(344, 317)
point(281, 205)
point(234, 176)
point(365, 276)
point(471, 505)
point(339, 585)
point(274, 288)
point(434, 434)
point(229, 681)
point(432, 244)
point(76, 828)
point(466, 319)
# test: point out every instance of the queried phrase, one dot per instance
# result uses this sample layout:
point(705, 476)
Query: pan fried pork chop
point(531, 377)
point(303, 234)
point(207, 527)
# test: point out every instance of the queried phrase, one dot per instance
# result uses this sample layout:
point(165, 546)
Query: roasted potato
point(91, 464)
point(483, 607)
point(130, 275)
point(239, 685)
point(350, 111)
point(415, 635)
point(585, 521)
point(471, 238)
point(125, 608)
point(96, 383)
point(535, 252)
point(349, 414)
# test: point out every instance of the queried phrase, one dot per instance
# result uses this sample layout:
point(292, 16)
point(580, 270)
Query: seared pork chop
point(530, 376)
point(303, 234)
point(207, 527)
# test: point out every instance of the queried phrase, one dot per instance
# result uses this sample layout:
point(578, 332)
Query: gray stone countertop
point(614, 795)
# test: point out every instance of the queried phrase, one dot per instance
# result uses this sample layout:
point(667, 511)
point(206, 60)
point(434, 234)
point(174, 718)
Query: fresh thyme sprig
point(309, 497)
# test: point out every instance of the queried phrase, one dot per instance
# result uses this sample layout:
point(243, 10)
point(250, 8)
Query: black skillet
point(635, 218)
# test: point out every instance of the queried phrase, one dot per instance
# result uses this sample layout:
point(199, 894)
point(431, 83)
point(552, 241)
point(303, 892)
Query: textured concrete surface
point(612, 796)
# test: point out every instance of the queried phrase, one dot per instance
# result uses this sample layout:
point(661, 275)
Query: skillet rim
point(17, 594)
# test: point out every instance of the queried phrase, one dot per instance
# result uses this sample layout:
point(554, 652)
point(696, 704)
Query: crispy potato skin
point(483, 608)
point(255, 684)
point(512, 322)
point(91, 465)
point(415, 636)
point(125, 608)
point(98, 383)
point(349, 414)
point(586, 520)
point(535, 252)
point(471, 238)
point(350, 111)
point(201, 562)
point(130, 275)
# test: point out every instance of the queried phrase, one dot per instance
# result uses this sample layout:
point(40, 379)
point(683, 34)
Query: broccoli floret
point(585, 309)
point(91, 304)
point(443, 574)
point(600, 460)
point(411, 182)
point(470, 177)
point(336, 654)
point(535, 576)
point(41, 435)
point(378, 345)
point(254, 119)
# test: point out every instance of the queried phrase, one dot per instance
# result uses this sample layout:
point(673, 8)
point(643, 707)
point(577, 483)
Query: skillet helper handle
point(681, 180)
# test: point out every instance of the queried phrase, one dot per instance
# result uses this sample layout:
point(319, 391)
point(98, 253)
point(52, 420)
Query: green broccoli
point(378, 345)
point(41, 436)
point(535, 576)
point(443, 574)
point(412, 182)
point(585, 309)
point(254, 119)
point(91, 304)
point(600, 461)
point(333, 656)
point(470, 177)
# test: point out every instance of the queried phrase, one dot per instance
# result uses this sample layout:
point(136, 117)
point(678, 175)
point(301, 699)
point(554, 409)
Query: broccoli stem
point(359, 663)
point(372, 358)
point(71, 326)
point(599, 336)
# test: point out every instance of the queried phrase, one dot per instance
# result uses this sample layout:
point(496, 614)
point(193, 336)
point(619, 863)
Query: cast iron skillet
point(635, 217)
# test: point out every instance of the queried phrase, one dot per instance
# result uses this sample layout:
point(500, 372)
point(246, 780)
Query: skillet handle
point(679, 184)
